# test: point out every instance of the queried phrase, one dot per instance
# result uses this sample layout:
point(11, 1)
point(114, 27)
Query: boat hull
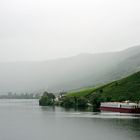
point(121, 110)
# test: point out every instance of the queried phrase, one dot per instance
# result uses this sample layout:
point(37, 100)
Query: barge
point(122, 107)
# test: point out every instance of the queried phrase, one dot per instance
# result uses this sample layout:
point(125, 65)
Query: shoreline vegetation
point(125, 89)
point(63, 100)
point(67, 101)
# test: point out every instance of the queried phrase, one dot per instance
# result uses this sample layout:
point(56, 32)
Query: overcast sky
point(46, 29)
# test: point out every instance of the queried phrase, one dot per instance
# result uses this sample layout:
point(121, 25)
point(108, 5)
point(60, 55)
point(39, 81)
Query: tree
point(68, 102)
point(47, 99)
point(96, 100)
point(82, 102)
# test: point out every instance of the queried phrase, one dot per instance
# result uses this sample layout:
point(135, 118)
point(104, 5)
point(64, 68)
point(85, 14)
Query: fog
point(63, 45)
point(68, 73)
point(34, 30)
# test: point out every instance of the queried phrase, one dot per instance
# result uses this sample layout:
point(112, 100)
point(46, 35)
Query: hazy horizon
point(38, 30)
point(71, 56)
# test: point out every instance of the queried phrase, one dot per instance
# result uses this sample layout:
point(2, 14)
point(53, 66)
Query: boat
point(122, 107)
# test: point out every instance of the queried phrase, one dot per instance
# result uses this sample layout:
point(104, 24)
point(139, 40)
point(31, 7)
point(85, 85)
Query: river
point(25, 120)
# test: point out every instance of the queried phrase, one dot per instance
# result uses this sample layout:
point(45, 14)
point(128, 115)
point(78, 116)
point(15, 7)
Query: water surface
point(25, 120)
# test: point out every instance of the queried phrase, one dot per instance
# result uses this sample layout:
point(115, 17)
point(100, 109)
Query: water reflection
point(26, 120)
point(48, 108)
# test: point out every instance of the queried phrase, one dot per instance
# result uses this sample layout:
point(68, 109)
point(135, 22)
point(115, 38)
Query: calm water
point(25, 120)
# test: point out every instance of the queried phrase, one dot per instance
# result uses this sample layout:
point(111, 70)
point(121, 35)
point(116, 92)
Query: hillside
point(75, 72)
point(81, 93)
point(125, 89)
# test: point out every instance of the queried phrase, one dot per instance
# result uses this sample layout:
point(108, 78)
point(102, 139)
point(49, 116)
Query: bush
point(68, 102)
point(96, 100)
point(82, 102)
point(71, 102)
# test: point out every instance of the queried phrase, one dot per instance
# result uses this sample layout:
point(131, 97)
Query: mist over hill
point(68, 73)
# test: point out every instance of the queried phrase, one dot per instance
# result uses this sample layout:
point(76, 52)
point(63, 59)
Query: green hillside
point(125, 89)
point(81, 93)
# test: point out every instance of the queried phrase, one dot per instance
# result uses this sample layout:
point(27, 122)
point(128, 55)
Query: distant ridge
point(68, 73)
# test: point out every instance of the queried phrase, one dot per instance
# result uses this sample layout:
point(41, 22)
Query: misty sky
point(46, 29)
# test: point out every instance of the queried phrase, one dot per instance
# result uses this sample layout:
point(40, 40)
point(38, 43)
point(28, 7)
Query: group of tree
point(47, 99)
point(74, 102)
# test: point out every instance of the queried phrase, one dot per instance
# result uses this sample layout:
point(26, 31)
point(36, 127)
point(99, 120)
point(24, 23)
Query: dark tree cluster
point(70, 102)
point(47, 99)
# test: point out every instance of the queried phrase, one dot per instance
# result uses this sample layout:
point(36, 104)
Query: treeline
point(11, 95)
point(125, 89)
point(49, 99)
